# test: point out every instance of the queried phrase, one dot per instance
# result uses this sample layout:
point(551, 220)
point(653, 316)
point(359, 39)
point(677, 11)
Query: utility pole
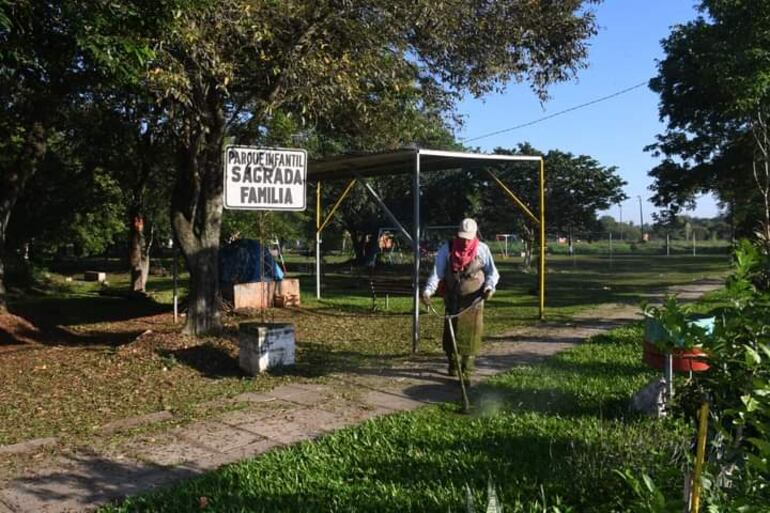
point(620, 206)
point(641, 217)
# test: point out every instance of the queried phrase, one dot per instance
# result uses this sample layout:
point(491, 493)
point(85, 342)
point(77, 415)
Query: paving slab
point(174, 451)
point(251, 450)
point(306, 395)
point(216, 436)
point(132, 422)
point(254, 397)
point(28, 446)
point(390, 400)
point(258, 411)
point(281, 429)
point(75, 485)
point(321, 420)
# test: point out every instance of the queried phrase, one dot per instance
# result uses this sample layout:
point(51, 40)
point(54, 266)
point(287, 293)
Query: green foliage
point(268, 225)
point(648, 498)
point(738, 386)
point(714, 86)
point(675, 326)
point(49, 216)
point(577, 186)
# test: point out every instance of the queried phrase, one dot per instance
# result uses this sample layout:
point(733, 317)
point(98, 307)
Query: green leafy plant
point(494, 505)
point(673, 326)
point(648, 498)
point(738, 387)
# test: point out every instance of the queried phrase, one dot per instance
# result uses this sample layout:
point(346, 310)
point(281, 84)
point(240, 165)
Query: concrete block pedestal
point(263, 346)
point(94, 276)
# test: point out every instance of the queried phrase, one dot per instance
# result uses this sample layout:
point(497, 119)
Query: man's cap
point(467, 229)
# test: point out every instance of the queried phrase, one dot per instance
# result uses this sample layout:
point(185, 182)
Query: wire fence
point(605, 243)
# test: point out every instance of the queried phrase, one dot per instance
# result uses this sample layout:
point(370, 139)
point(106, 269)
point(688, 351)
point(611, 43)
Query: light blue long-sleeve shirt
point(491, 276)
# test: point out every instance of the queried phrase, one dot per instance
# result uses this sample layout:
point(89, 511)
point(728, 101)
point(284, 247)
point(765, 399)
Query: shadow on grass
point(52, 315)
point(210, 361)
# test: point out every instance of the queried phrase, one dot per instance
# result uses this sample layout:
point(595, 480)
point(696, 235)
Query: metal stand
point(318, 241)
point(175, 256)
point(416, 250)
point(668, 375)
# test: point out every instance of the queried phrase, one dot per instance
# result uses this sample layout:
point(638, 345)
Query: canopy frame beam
point(416, 165)
point(385, 208)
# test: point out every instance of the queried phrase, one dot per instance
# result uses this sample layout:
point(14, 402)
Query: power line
point(539, 120)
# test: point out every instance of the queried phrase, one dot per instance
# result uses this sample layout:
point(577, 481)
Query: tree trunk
point(196, 210)
point(12, 182)
point(3, 303)
point(138, 254)
point(527, 235)
point(358, 241)
point(762, 179)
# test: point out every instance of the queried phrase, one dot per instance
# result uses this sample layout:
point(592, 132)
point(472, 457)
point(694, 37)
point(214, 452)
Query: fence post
point(668, 244)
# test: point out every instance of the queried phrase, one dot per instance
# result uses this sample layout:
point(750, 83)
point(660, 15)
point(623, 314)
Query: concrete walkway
point(84, 480)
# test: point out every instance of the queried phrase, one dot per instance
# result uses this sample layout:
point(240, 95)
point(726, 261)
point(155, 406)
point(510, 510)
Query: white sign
point(265, 178)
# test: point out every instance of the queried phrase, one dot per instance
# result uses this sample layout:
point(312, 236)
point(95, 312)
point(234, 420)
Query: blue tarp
point(239, 263)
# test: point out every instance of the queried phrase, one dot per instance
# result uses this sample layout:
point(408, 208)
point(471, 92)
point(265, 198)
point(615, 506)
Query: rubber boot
point(452, 369)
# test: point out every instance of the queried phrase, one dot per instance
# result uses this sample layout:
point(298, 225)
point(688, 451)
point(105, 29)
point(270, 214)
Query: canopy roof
point(402, 161)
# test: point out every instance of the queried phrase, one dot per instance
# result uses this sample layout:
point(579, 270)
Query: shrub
point(738, 387)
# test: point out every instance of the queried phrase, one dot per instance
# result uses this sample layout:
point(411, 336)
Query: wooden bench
point(386, 286)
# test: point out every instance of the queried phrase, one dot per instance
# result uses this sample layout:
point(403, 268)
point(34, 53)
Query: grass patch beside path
point(555, 429)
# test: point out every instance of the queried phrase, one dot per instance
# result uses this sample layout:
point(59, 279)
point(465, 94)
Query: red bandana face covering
point(462, 253)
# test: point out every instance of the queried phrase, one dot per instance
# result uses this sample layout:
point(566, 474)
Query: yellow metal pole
point(515, 198)
point(336, 205)
point(700, 456)
point(542, 239)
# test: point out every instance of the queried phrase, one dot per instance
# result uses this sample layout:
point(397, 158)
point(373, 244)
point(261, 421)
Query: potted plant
point(672, 329)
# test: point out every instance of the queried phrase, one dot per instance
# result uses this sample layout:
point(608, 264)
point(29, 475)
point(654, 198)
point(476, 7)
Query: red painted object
point(684, 360)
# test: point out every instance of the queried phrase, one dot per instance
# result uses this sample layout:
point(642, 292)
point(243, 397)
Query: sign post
point(262, 180)
point(265, 178)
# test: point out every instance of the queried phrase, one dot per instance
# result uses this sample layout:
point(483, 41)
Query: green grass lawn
point(555, 430)
point(573, 284)
point(100, 374)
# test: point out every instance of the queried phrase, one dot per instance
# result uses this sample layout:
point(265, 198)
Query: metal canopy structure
point(415, 161)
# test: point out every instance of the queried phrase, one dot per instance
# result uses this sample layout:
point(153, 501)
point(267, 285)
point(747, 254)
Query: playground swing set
point(415, 161)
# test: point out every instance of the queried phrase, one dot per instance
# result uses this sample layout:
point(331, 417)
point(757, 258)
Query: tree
point(223, 67)
point(128, 137)
point(576, 188)
point(37, 51)
point(52, 53)
point(67, 202)
point(714, 86)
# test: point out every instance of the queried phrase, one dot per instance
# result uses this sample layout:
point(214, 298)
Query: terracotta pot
point(684, 360)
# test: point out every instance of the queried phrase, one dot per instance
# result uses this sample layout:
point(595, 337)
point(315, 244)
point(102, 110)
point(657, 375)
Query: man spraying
point(465, 268)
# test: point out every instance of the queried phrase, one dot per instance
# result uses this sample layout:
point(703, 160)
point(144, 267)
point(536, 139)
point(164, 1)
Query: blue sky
point(614, 131)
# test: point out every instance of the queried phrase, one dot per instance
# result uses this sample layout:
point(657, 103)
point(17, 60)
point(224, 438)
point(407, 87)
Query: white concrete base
point(94, 276)
point(264, 346)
